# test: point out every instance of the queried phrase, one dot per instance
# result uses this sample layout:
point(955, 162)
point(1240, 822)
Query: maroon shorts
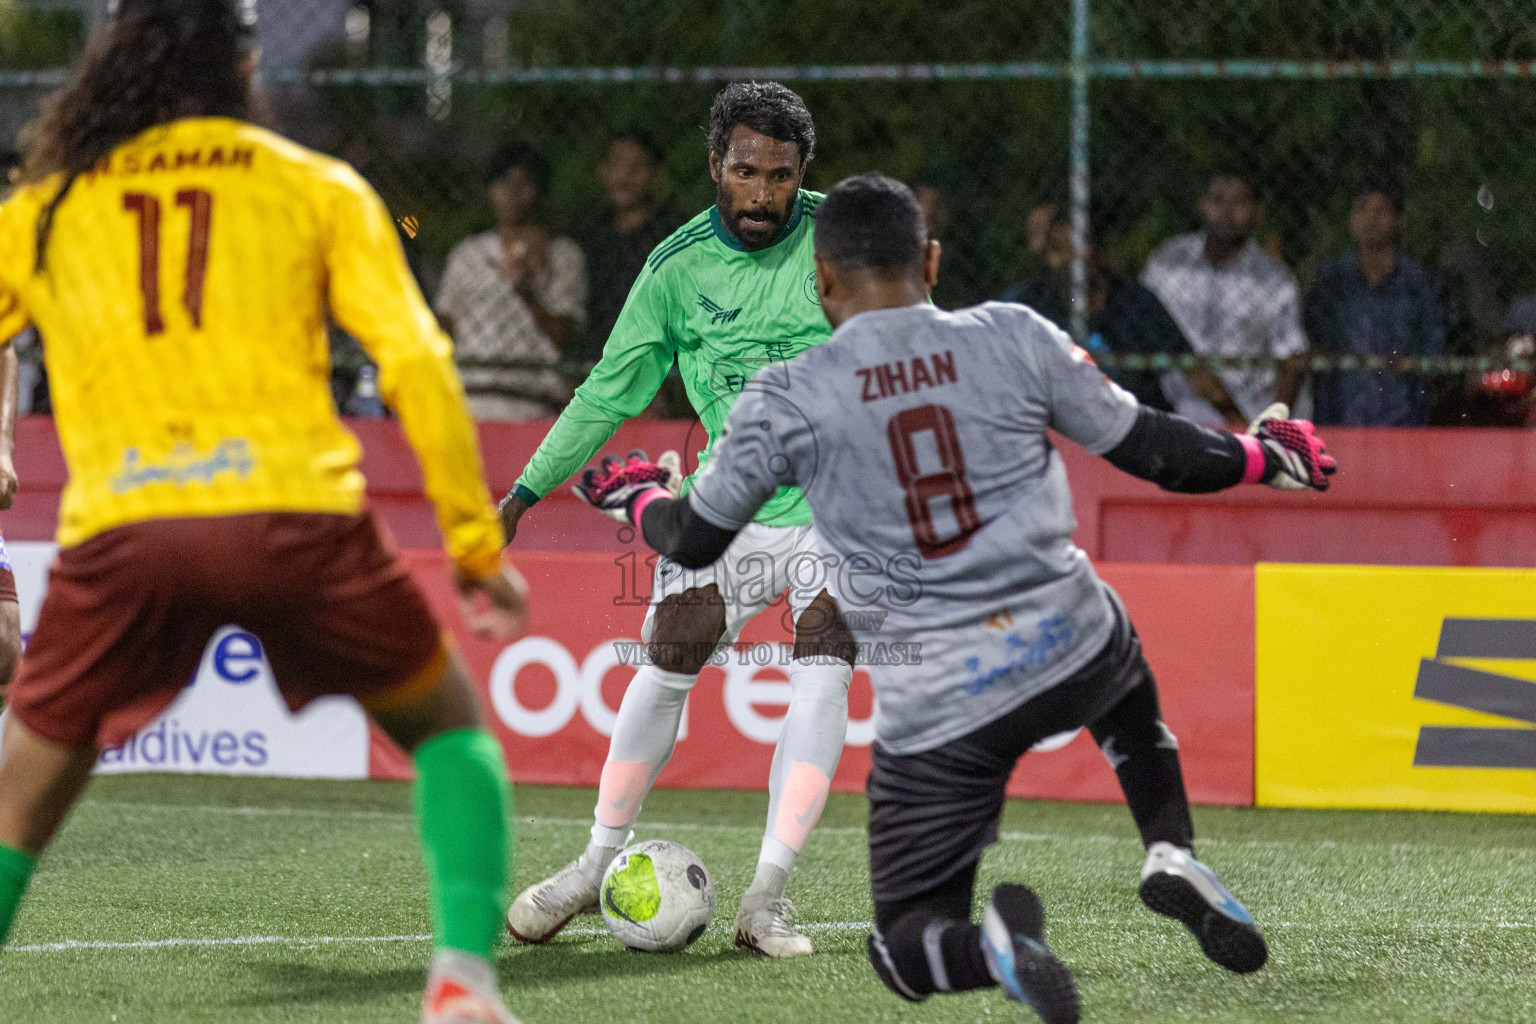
point(128, 614)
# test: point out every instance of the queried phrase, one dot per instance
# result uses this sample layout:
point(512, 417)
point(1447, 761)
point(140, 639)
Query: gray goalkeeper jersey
point(919, 438)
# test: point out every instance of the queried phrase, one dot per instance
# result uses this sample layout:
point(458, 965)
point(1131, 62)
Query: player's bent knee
point(688, 628)
point(821, 632)
point(886, 970)
point(437, 699)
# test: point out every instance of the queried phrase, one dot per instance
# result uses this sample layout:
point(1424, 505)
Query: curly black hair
point(871, 222)
point(159, 61)
point(767, 108)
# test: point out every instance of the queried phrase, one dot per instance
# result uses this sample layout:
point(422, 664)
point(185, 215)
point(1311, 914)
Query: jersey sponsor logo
point(1491, 693)
point(1054, 637)
point(185, 464)
point(810, 289)
point(902, 378)
point(718, 313)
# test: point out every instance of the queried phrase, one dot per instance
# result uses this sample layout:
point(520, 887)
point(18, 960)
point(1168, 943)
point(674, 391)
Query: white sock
point(806, 757)
point(476, 972)
point(643, 737)
point(768, 884)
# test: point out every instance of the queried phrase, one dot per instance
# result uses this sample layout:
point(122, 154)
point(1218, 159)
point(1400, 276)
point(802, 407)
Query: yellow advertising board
point(1396, 687)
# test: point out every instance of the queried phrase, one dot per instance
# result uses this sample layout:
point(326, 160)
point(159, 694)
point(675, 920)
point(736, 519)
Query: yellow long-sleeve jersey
point(182, 307)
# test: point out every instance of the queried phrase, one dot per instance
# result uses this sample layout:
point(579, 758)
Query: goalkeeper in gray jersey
point(920, 440)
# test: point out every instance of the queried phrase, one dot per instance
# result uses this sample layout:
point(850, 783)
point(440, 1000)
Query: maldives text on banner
point(230, 719)
point(1396, 687)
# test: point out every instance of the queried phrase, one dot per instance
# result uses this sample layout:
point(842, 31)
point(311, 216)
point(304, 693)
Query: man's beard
point(752, 234)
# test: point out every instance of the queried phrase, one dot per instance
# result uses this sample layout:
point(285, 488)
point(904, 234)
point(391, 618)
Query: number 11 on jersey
point(199, 203)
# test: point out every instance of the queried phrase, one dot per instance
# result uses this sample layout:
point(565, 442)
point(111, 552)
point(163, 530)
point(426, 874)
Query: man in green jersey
point(730, 292)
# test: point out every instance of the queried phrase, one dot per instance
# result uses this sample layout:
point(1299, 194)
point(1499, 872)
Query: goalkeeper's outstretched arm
point(1184, 457)
point(1168, 450)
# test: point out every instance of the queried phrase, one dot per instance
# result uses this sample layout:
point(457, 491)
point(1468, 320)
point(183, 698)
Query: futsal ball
point(657, 897)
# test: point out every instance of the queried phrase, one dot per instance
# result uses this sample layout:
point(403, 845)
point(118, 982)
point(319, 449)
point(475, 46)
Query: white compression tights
point(803, 762)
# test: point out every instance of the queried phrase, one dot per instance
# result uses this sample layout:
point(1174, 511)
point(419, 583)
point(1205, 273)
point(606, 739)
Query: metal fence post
point(1078, 172)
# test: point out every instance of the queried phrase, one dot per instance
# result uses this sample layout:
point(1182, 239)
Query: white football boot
point(461, 989)
point(542, 909)
point(1176, 885)
point(763, 926)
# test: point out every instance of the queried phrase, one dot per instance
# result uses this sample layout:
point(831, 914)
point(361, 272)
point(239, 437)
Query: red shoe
point(450, 1000)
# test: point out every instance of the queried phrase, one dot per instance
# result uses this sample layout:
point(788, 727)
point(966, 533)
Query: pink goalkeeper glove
point(1286, 454)
point(622, 490)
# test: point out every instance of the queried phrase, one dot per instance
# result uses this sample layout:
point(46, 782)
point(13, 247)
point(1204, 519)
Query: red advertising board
point(551, 697)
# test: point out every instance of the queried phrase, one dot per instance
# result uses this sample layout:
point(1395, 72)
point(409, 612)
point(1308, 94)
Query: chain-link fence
point(1108, 116)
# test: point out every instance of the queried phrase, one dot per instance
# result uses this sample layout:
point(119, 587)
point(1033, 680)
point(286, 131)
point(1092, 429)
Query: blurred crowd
point(526, 297)
point(1219, 293)
point(530, 302)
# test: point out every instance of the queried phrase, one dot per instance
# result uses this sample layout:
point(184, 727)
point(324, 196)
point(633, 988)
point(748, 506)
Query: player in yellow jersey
point(179, 263)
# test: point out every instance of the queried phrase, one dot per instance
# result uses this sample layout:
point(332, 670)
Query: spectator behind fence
point(1231, 298)
point(618, 238)
point(1375, 301)
point(510, 297)
point(1124, 318)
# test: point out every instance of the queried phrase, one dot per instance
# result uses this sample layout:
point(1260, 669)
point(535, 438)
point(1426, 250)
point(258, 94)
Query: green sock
point(464, 805)
point(15, 872)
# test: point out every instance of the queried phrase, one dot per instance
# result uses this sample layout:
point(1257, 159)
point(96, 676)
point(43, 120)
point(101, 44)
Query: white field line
point(74, 945)
point(77, 945)
point(662, 826)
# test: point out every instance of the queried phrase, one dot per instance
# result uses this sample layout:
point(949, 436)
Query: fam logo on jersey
point(719, 314)
point(1443, 681)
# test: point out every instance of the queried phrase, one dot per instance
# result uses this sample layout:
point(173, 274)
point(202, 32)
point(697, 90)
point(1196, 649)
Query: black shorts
point(931, 814)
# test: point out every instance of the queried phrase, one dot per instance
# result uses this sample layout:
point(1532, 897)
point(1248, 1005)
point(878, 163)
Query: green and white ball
point(657, 897)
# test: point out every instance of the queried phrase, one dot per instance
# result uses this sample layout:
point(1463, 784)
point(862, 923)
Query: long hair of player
point(158, 61)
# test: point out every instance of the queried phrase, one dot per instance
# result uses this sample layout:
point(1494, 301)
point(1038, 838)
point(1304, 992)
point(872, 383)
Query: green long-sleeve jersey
point(724, 313)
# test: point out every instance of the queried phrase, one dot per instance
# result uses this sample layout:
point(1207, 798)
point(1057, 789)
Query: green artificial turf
point(304, 901)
